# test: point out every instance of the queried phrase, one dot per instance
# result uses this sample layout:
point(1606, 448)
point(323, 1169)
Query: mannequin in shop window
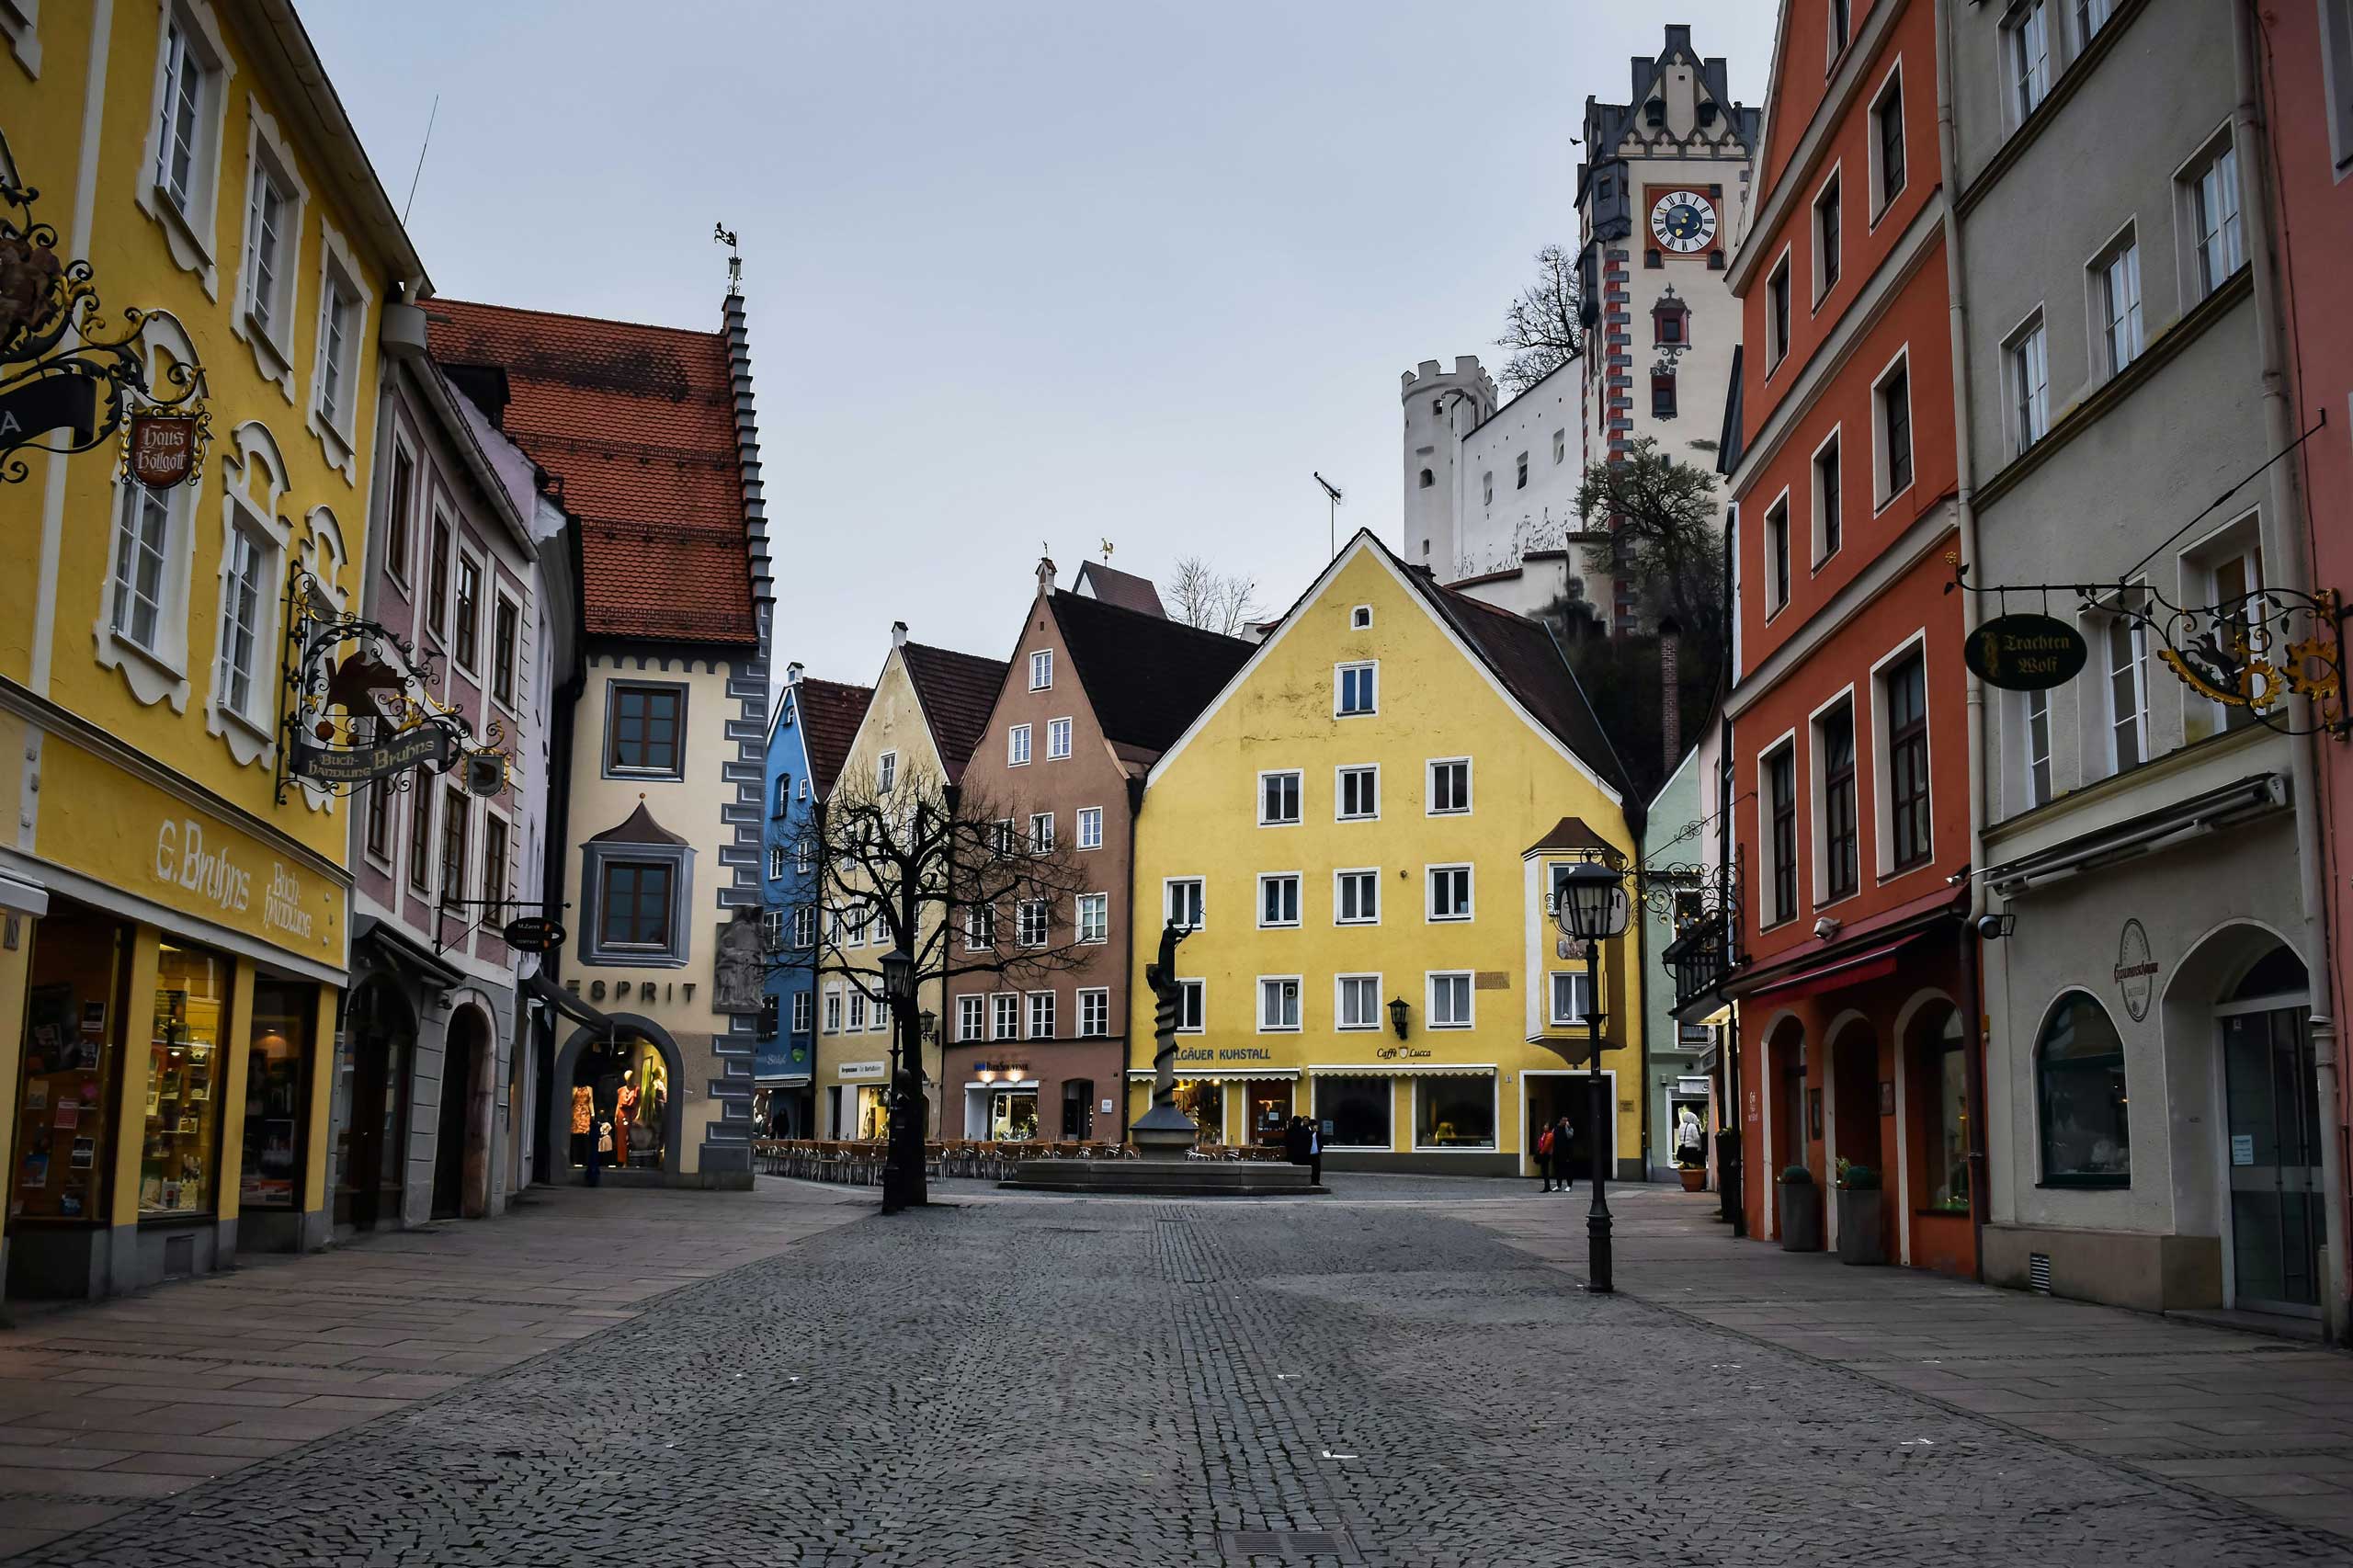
point(584, 1122)
point(624, 1116)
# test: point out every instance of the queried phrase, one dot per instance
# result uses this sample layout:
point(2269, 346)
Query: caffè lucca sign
point(72, 377)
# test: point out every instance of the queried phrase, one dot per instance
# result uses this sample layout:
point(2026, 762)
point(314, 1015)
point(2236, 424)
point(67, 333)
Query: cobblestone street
point(1397, 1375)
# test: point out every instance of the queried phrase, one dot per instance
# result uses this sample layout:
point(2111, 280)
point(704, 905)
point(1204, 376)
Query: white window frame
point(1371, 670)
point(857, 1011)
point(1781, 556)
point(1470, 892)
point(266, 323)
point(1767, 867)
point(2337, 80)
point(1022, 918)
point(188, 221)
point(1580, 989)
point(833, 1010)
point(252, 485)
point(1041, 832)
point(776, 862)
point(1090, 827)
point(2029, 61)
point(1820, 519)
point(1041, 669)
point(1101, 902)
point(1193, 997)
point(1096, 1000)
point(157, 669)
point(1169, 886)
point(972, 1018)
point(1277, 878)
point(886, 773)
point(1882, 199)
point(2026, 382)
point(1057, 740)
point(2199, 275)
point(1470, 979)
point(2090, 16)
point(772, 930)
point(1340, 776)
point(1005, 1015)
point(1429, 788)
point(1017, 746)
point(1339, 878)
point(980, 928)
point(459, 618)
point(804, 1013)
point(2028, 760)
point(1299, 797)
point(804, 926)
point(2109, 357)
point(1297, 1002)
point(341, 279)
point(1038, 1015)
point(1340, 1024)
point(2137, 640)
point(1883, 769)
point(1883, 455)
point(1781, 312)
point(1823, 284)
point(1360, 616)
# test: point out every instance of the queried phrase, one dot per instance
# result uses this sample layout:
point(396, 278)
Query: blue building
point(807, 741)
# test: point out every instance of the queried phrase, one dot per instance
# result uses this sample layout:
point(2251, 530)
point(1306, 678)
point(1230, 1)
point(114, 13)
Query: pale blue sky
point(1018, 273)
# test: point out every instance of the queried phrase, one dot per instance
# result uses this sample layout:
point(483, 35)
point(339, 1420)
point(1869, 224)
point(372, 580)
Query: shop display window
point(277, 1095)
point(1013, 1116)
point(2079, 1073)
point(1203, 1100)
point(642, 1104)
point(178, 1161)
point(1454, 1113)
point(1353, 1113)
point(873, 1112)
point(1268, 1100)
point(73, 1049)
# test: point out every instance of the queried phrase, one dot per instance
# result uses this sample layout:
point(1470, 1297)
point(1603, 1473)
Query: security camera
point(1994, 928)
point(1825, 928)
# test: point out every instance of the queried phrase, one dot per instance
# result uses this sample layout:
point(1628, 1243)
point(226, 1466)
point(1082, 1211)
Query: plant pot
point(1695, 1177)
point(1800, 1216)
point(1859, 1234)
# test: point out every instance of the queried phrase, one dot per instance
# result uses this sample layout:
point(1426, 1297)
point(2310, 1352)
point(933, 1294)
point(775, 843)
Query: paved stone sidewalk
point(2265, 1422)
point(103, 1407)
point(1369, 1380)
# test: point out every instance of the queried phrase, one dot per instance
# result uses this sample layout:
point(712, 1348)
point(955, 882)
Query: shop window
point(2080, 1091)
point(1354, 1111)
point(1203, 1102)
point(1013, 1116)
point(1454, 1113)
point(644, 729)
point(64, 1126)
point(1945, 1152)
point(1267, 1103)
point(177, 1162)
point(277, 1095)
point(1078, 1107)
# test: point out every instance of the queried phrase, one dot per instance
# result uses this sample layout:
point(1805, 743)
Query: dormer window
point(1041, 669)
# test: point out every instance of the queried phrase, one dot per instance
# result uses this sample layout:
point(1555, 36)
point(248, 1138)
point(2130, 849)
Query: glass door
point(2274, 1161)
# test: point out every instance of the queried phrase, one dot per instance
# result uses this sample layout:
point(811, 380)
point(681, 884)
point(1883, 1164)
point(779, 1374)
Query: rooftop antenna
point(430, 115)
point(1330, 516)
point(722, 234)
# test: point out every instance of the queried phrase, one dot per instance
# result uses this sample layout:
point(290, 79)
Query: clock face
point(1684, 221)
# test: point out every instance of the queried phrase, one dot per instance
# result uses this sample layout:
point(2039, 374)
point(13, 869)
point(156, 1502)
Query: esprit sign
point(2025, 652)
point(186, 861)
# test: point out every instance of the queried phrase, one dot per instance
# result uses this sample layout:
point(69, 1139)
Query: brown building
point(1096, 691)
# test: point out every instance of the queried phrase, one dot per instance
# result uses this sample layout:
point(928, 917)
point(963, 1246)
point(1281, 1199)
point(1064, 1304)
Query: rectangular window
point(1906, 686)
point(804, 1006)
point(1278, 1004)
point(1277, 799)
point(971, 1018)
point(772, 930)
point(1894, 400)
point(1017, 746)
point(804, 926)
point(456, 821)
point(2029, 360)
point(468, 611)
point(1041, 670)
point(1842, 870)
point(1358, 1003)
point(2127, 694)
point(420, 832)
point(1450, 893)
point(1183, 902)
point(886, 773)
point(1041, 832)
point(1829, 512)
point(1358, 692)
point(1090, 827)
point(634, 904)
point(833, 1012)
point(1355, 898)
point(1662, 394)
point(980, 928)
point(1002, 840)
point(1093, 1013)
point(1571, 996)
point(1358, 794)
point(436, 587)
point(242, 591)
point(1777, 555)
point(2116, 294)
point(1487, 488)
point(2034, 707)
point(336, 309)
point(1030, 924)
point(1776, 313)
point(1041, 1015)
point(642, 732)
point(1279, 899)
point(1057, 739)
point(2090, 17)
point(1192, 1005)
point(1522, 484)
point(1450, 1003)
point(2214, 214)
point(506, 631)
point(1827, 238)
point(142, 546)
point(380, 819)
point(804, 855)
point(1004, 1015)
point(2237, 577)
point(1560, 446)
point(1782, 805)
point(494, 867)
point(2026, 44)
point(2336, 78)
point(1094, 917)
point(1887, 144)
point(1838, 25)
point(1449, 786)
point(776, 861)
point(857, 1008)
point(182, 154)
point(402, 496)
point(266, 256)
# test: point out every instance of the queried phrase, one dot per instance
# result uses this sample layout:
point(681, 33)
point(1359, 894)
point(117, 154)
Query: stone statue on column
point(1164, 1132)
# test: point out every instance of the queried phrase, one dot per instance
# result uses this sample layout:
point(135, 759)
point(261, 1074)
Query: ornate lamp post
point(898, 1172)
point(1592, 907)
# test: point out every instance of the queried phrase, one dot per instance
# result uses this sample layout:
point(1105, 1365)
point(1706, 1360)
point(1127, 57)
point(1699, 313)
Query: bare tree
point(1213, 600)
point(1542, 327)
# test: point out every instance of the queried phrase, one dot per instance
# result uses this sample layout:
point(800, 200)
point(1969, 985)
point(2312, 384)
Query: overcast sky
point(1019, 274)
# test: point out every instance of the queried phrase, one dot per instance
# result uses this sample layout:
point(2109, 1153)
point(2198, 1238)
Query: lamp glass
point(1592, 902)
point(898, 974)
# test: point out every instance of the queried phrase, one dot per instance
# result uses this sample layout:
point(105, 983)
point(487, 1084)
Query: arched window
point(1428, 478)
point(2079, 1087)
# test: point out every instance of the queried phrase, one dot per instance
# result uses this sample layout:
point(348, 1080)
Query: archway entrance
point(617, 1095)
point(2277, 1211)
point(461, 1067)
point(1854, 1105)
point(371, 1078)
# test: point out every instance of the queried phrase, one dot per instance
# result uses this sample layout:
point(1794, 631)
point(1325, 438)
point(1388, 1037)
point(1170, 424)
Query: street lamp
point(1397, 1011)
point(898, 968)
point(1592, 908)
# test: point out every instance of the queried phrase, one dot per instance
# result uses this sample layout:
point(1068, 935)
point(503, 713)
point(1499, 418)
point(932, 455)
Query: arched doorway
point(2277, 1211)
point(371, 1078)
point(1783, 1090)
point(592, 1070)
point(456, 1147)
point(1857, 1129)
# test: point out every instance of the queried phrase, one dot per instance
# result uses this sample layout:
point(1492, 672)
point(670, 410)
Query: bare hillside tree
point(1201, 596)
point(1542, 327)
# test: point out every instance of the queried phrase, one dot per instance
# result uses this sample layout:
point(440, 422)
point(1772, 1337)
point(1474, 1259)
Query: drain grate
point(1282, 1543)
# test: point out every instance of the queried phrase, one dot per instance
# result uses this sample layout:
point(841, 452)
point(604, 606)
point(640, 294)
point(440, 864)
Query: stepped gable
point(1146, 677)
point(958, 692)
point(637, 425)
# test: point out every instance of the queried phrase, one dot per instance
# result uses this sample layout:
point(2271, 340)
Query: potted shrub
point(1801, 1211)
point(1859, 1200)
point(1695, 1176)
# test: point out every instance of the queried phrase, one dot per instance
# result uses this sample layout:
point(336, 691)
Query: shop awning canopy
point(1837, 974)
point(1194, 1074)
point(1408, 1069)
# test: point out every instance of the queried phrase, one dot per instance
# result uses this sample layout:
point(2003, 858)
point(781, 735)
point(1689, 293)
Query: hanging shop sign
point(2025, 652)
point(71, 372)
point(163, 449)
point(533, 934)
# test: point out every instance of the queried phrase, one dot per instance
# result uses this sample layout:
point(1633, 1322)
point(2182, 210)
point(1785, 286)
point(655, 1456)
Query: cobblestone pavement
point(1077, 1381)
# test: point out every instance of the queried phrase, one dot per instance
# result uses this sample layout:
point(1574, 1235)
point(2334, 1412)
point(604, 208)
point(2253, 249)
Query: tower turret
point(1441, 407)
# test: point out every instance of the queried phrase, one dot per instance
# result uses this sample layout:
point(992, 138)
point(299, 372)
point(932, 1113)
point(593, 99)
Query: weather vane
point(722, 234)
point(1106, 552)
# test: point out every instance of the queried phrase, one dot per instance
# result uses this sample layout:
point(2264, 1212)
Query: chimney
point(1670, 716)
point(1045, 575)
point(898, 634)
point(792, 672)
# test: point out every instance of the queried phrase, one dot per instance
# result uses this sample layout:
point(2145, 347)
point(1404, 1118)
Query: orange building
point(1848, 708)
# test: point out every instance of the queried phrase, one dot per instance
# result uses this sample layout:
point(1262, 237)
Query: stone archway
point(558, 1126)
point(461, 1142)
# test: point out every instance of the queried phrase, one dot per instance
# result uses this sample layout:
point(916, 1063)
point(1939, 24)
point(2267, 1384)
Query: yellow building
point(175, 927)
point(1362, 831)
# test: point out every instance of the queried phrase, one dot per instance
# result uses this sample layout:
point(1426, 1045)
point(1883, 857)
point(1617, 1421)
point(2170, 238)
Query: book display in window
point(175, 1161)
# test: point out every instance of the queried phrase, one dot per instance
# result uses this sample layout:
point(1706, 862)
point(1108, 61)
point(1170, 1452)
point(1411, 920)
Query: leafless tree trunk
point(1214, 601)
point(1542, 326)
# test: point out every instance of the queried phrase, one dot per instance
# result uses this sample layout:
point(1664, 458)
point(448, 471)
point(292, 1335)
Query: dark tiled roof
point(639, 424)
point(1146, 677)
point(1571, 833)
point(956, 691)
point(1123, 588)
point(831, 712)
point(639, 828)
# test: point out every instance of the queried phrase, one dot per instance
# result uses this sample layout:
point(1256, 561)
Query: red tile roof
point(639, 424)
point(831, 712)
point(958, 692)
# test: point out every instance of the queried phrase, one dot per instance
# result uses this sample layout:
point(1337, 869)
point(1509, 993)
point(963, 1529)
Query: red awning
point(1837, 973)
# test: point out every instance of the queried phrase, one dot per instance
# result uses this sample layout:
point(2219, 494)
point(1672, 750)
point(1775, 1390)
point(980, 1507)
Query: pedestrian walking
point(1560, 1173)
point(1295, 1141)
point(1315, 1152)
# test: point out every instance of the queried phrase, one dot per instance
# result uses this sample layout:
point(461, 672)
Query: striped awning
point(1195, 1075)
point(1408, 1069)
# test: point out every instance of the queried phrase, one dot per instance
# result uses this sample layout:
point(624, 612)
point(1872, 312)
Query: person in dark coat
point(1557, 1167)
point(1295, 1141)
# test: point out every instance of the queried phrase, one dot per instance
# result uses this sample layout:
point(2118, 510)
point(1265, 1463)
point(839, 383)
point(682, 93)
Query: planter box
point(1858, 1234)
point(1800, 1216)
point(1695, 1178)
